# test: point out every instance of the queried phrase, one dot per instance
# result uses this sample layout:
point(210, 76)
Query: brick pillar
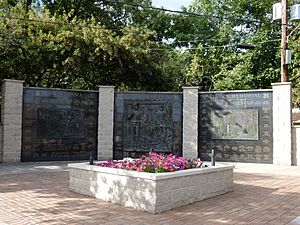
point(11, 116)
point(190, 122)
point(282, 123)
point(105, 122)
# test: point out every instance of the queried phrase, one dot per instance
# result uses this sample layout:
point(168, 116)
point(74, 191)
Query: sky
point(171, 4)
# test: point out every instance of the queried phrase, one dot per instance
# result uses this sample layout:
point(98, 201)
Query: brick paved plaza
point(38, 194)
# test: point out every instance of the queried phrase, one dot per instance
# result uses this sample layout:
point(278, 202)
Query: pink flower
point(154, 163)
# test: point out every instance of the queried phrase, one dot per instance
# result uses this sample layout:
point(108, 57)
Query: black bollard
point(151, 150)
point(91, 161)
point(213, 158)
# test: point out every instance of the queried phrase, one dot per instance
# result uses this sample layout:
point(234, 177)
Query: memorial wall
point(147, 121)
point(59, 124)
point(237, 125)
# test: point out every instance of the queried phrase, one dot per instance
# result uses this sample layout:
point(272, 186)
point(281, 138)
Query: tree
point(133, 46)
point(52, 51)
point(216, 62)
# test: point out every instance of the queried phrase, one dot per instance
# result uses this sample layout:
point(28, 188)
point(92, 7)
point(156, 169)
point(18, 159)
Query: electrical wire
point(207, 47)
point(209, 39)
point(151, 49)
point(97, 28)
point(51, 22)
point(181, 12)
point(92, 27)
point(186, 49)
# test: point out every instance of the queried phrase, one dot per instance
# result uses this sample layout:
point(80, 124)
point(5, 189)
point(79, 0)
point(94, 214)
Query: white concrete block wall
point(190, 122)
point(154, 193)
point(296, 145)
point(125, 190)
point(176, 192)
point(282, 123)
point(11, 116)
point(105, 122)
point(1, 142)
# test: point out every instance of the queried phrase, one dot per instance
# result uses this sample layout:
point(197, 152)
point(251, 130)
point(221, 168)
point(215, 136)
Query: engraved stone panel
point(145, 121)
point(234, 124)
point(147, 125)
point(237, 125)
point(59, 124)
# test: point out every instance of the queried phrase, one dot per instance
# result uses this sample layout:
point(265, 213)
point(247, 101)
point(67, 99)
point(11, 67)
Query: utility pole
point(284, 47)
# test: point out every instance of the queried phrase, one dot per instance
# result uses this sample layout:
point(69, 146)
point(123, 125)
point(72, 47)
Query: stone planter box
point(154, 193)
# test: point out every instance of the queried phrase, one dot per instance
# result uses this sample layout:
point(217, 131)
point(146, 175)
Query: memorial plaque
point(234, 124)
point(240, 122)
point(145, 121)
point(59, 124)
point(147, 125)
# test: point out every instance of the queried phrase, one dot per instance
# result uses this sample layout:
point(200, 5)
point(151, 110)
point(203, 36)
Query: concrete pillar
point(190, 122)
point(105, 122)
point(282, 123)
point(296, 145)
point(11, 116)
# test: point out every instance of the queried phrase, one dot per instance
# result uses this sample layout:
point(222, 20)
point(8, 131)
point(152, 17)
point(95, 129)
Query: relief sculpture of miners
point(148, 125)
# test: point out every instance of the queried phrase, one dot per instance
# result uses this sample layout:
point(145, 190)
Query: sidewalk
point(38, 167)
point(38, 194)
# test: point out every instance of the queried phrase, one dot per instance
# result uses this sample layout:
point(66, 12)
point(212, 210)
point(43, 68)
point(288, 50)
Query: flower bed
point(165, 183)
point(154, 163)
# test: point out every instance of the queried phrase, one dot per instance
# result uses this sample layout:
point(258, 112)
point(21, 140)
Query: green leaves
point(76, 44)
point(54, 51)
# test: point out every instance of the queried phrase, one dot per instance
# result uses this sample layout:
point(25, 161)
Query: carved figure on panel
point(148, 125)
point(240, 122)
point(73, 123)
point(134, 119)
point(60, 123)
point(235, 124)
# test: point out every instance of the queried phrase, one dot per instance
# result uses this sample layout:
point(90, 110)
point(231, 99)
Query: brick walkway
point(263, 194)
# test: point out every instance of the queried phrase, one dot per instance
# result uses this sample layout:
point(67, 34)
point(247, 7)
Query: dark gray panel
point(59, 124)
point(238, 125)
point(145, 121)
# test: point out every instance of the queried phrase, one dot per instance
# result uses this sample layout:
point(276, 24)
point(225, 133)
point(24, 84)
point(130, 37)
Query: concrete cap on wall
point(11, 80)
point(104, 86)
point(281, 83)
point(195, 87)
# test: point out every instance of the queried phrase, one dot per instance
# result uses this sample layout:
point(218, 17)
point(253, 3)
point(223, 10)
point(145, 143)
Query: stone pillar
point(11, 116)
point(282, 123)
point(190, 122)
point(105, 122)
point(296, 145)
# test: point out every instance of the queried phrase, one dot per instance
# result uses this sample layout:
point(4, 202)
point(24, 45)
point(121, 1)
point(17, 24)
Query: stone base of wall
point(154, 193)
point(296, 145)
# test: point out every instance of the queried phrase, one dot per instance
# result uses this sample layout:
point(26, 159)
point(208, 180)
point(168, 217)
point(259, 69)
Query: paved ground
point(38, 194)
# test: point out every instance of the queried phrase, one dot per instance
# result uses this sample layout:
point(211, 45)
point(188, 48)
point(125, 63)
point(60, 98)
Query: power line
point(52, 22)
point(205, 47)
point(152, 49)
point(216, 46)
point(210, 39)
point(98, 28)
point(178, 12)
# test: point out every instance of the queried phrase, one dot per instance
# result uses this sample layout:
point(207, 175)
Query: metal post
point(91, 161)
point(151, 150)
point(284, 25)
point(213, 158)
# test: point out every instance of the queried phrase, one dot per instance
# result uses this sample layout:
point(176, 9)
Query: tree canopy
point(56, 51)
point(132, 45)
